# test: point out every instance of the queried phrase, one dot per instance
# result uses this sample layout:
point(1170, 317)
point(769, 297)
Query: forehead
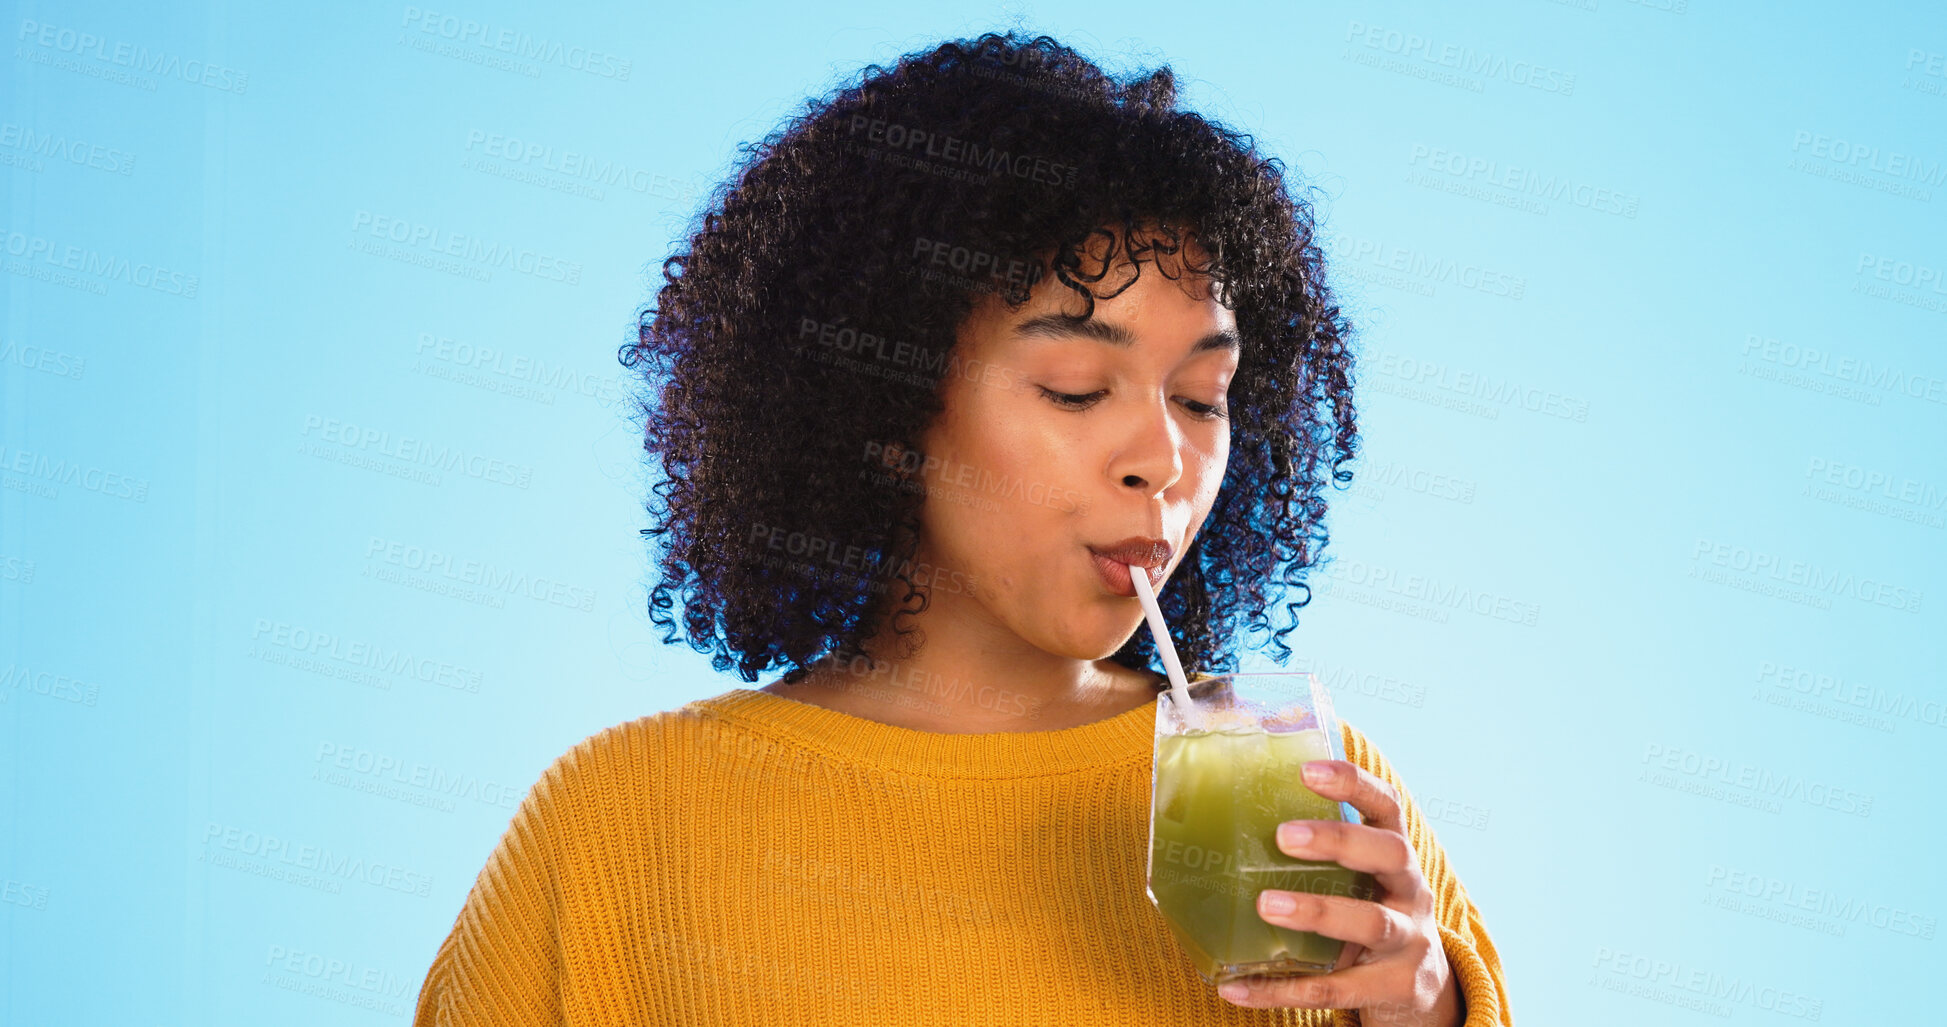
point(1142, 281)
point(1107, 328)
point(1142, 302)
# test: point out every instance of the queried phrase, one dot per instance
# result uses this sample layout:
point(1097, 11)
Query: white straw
point(1179, 685)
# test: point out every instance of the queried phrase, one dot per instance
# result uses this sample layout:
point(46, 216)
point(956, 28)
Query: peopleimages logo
point(1817, 580)
point(17, 568)
point(16, 678)
point(1822, 901)
point(1524, 182)
point(977, 268)
point(1901, 281)
point(514, 374)
point(958, 474)
point(342, 980)
point(61, 147)
point(413, 237)
point(1891, 163)
point(1430, 592)
point(1902, 272)
point(1838, 367)
point(1504, 392)
point(127, 55)
point(374, 767)
point(1755, 780)
point(952, 149)
point(416, 452)
point(1695, 987)
point(862, 351)
point(484, 578)
point(400, 662)
point(331, 867)
point(516, 43)
point(576, 165)
point(39, 249)
point(1339, 679)
point(821, 554)
point(42, 359)
point(1463, 59)
point(1876, 491)
point(49, 471)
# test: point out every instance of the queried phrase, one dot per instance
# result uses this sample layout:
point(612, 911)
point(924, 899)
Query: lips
point(1112, 562)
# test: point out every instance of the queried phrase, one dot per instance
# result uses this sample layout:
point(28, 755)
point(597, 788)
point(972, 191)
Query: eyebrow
point(1055, 326)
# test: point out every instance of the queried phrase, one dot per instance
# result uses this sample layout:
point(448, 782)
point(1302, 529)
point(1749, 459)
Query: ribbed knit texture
point(752, 859)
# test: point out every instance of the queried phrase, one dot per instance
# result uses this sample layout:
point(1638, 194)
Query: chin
point(1099, 639)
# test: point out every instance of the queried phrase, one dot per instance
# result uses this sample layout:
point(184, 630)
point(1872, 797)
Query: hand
point(1396, 972)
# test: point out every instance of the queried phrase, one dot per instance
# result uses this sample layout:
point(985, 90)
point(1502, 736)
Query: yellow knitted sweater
point(752, 859)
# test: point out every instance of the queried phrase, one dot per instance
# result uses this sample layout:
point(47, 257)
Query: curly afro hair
point(877, 217)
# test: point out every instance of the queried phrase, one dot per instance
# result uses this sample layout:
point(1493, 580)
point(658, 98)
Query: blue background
point(1641, 585)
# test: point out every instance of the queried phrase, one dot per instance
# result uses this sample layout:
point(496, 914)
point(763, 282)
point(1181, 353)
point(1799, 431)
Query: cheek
point(998, 500)
point(1037, 483)
point(1013, 453)
point(1214, 471)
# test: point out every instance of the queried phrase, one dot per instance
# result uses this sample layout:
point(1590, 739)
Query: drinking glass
point(1220, 788)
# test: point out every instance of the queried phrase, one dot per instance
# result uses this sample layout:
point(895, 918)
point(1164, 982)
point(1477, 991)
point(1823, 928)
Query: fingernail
point(1294, 835)
point(1234, 992)
point(1276, 903)
point(1316, 773)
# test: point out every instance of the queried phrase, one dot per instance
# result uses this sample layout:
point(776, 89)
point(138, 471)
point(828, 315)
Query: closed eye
point(1063, 399)
point(1205, 410)
point(1069, 401)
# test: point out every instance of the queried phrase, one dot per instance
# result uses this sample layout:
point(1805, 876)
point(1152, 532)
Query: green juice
point(1219, 798)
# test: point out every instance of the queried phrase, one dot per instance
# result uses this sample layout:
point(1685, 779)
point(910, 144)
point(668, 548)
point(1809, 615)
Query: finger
point(1350, 988)
point(1375, 800)
point(1386, 855)
point(1377, 927)
point(1353, 953)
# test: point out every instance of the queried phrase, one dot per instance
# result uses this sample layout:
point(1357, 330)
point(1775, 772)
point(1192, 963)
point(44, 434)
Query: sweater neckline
point(995, 754)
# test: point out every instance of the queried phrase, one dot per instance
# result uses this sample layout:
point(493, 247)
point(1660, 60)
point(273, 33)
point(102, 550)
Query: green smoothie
point(1219, 798)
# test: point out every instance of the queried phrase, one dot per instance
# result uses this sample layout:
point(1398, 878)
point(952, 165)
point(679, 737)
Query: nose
point(1151, 457)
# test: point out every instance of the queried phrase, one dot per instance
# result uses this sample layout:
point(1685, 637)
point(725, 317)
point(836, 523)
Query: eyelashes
point(1206, 411)
point(1067, 401)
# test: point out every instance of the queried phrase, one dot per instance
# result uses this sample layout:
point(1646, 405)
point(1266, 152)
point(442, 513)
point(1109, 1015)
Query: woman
point(959, 347)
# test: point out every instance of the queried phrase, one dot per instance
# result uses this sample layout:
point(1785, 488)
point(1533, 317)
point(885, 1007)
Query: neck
point(969, 677)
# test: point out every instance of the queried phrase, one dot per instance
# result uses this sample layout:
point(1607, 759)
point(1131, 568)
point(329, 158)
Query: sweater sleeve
point(1470, 952)
point(500, 964)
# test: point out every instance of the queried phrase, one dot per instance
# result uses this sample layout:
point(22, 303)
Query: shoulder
point(1364, 753)
point(622, 761)
point(622, 756)
point(1360, 750)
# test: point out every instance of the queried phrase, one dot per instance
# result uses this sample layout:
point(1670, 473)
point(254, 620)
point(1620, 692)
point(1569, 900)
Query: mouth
point(1112, 563)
